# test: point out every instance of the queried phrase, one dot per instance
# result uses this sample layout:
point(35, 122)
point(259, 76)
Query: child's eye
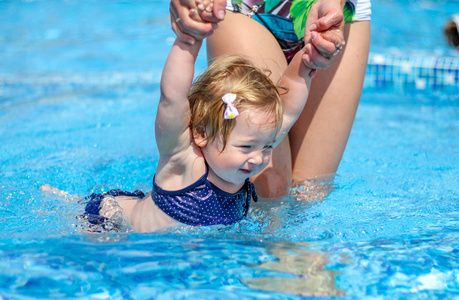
point(268, 148)
point(245, 147)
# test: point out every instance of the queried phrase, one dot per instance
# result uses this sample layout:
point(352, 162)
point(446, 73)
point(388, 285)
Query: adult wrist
point(341, 2)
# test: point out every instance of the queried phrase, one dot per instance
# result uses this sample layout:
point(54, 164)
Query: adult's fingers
point(313, 59)
point(333, 19)
point(186, 38)
point(219, 9)
point(319, 53)
point(212, 11)
point(205, 13)
point(322, 45)
point(175, 19)
point(327, 42)
point(324, 15)
point(313, 16)
point(185, 27)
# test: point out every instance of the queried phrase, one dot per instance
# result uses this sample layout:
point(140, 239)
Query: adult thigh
point(239, 34)
point(320, 135)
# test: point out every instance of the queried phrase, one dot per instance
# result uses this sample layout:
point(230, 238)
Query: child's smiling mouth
point(246, 171)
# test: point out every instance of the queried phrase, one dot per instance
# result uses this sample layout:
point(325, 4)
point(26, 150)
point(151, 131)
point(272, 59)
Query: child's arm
point(173, 115)
point(297, 80)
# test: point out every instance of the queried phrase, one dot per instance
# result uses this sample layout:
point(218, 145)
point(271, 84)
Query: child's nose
point(256, 158)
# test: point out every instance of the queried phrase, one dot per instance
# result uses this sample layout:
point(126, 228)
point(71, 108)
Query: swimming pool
point(78, 91)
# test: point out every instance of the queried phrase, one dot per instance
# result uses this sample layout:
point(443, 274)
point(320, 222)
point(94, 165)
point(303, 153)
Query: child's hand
point(205, 12)
point(51, 189)
point(324, 33)
point(195, 19)
point(322, 48)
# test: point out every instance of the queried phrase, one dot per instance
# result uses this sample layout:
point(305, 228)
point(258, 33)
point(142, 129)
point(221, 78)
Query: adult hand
point(192, 20)
point(217, 10)
point(323, 33)
point(322, 48)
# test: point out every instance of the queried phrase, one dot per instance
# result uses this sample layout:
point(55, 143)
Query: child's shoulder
point(181, 170)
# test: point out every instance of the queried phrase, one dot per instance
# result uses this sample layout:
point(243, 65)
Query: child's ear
point(199, 136)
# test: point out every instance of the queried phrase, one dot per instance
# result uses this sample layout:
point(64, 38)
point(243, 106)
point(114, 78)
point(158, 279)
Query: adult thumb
point(219, 9)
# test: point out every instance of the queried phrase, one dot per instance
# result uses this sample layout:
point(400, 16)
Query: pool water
point(79, 85)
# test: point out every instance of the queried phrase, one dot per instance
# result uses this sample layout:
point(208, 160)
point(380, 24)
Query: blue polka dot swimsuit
point(202, 203)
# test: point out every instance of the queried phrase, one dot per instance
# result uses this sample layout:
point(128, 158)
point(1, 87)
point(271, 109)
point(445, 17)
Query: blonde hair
point(237, 75)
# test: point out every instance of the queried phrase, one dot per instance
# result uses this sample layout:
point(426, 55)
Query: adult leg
point(320, 135)
point(239, 34)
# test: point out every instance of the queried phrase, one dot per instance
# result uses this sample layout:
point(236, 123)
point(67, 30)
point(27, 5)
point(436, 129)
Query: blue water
point(79, 84)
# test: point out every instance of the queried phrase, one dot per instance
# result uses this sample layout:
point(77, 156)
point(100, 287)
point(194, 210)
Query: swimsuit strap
point(251, 195)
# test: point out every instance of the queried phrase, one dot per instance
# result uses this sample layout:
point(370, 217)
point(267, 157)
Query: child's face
point(247, 152)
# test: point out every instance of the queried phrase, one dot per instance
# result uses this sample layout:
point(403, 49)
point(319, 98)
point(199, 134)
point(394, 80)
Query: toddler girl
point(212, 136)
